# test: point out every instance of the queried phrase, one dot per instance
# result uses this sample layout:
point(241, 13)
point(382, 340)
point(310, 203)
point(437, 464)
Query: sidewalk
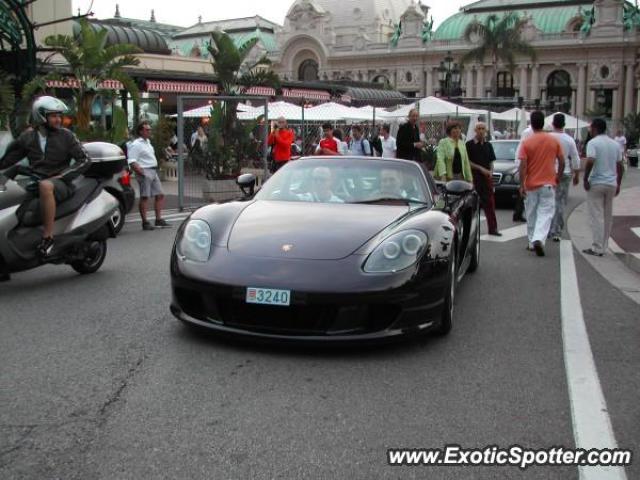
point(622, 266)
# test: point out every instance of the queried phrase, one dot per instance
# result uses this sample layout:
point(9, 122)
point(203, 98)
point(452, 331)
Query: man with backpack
point(359, 146)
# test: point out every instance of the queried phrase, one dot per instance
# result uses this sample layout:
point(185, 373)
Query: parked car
point(506, 178)
point(330, 249)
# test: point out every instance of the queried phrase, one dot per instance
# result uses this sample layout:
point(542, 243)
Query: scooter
point(82, 225)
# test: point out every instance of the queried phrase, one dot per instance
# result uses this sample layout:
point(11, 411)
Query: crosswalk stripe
point(508, 234)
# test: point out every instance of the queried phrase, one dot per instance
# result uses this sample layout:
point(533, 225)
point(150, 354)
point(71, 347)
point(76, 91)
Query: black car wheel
point(446, 322)
point(118, 218)
point(475, 255)
point(95, 255)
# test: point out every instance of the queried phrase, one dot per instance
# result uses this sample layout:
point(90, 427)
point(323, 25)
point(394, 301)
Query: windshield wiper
point(408, 201)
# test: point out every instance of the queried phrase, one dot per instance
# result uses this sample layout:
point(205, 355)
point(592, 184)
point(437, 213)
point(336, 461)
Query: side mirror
point(458, 187)
point(247, 183)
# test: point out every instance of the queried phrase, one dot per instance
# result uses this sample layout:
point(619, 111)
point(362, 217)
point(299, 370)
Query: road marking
point(173, 216)
point(636, 230)
point(591, 423)
point(508, 234)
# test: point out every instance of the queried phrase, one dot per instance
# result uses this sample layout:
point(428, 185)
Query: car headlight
point(397, 252)
point(195, 243)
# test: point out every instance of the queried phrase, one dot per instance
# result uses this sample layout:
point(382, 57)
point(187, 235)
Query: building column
point(429, 87)
point(592, 99)
point(574, 96)
point(468, 83)
point(628, 90)
point(523, 82)
point(615, 108)
point(582, 87)
point(535, 78)
point(480, 82)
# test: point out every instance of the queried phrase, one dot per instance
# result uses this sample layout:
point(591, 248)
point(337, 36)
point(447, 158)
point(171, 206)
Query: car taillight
point(125, 179)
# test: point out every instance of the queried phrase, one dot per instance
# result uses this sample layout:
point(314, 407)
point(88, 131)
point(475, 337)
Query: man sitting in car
point(391, 184)
point(321, 188)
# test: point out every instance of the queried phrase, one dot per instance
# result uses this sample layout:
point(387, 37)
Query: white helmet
point(43, 106)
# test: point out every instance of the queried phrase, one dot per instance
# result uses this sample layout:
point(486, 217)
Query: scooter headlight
point(195, 243)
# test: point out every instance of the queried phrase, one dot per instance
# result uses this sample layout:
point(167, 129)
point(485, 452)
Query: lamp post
point(449, 75)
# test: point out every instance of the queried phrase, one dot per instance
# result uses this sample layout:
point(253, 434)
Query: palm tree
point(7, 99)
point(228, 138)
point(91, 62)
point(501, 39)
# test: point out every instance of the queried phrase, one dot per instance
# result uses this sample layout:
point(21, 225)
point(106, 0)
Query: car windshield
point(348, 180)
point(505, 151)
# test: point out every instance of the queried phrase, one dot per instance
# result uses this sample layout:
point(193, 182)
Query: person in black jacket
point(408, 141)
point(50, 150)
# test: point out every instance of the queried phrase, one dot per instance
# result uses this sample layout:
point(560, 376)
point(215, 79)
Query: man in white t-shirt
point(571, 172)
point(621, 140)
point(388, 143)
point(602, 179)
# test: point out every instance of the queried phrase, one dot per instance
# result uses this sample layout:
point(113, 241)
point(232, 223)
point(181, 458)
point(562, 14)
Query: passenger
point(391, 184)
point(321, 188)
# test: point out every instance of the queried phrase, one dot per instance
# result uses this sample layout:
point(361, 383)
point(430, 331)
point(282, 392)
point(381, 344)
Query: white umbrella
point(275, 109)
point(513, 115)
point(205, 111)
point(570, 122)
point(434, 107)
point(332, 111)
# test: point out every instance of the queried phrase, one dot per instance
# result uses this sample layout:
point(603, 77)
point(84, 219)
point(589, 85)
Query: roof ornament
point(397, 33)
point(153, 16)
point(117, 14)
point(427, 30)
point(631, 16)
point(588, 19)
point(199, 19)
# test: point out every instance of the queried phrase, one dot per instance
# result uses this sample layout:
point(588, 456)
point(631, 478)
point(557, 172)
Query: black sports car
point(330, 249)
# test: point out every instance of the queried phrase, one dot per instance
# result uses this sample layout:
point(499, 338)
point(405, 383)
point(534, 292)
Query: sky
point(185, 12)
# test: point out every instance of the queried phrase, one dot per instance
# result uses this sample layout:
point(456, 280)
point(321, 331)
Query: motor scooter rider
point(51, 151)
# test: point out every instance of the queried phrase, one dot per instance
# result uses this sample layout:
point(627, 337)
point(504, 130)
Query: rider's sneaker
point(162, 223)
point(147, 226)
point(45, 247)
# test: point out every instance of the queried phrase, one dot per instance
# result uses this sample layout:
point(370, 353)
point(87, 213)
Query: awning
point(307, 94)
point(74, 83)
point(262, 91)
point(172, 86)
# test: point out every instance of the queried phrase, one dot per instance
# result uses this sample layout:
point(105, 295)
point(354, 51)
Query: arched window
point(559, 89)
point(505, 85)
point(308, 71)
point(381, 79)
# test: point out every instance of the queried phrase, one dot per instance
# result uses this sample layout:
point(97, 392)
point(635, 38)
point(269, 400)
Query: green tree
point(228, 138)
point(7, 99)
point(91, 62)
point(501, 40)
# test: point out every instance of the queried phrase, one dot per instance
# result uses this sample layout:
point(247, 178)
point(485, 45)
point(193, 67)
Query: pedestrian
point(408, 141)
point(359, 146)
point(198, 148)
point(481, 158)
point(389, 147)
point(452, 162)
point(343, 148)
point(518, 207)
point(571, 172)
point(539, 178)
point(602, 179)
point(621, 140)
point(142, 160)
point(328, 145)
point(280, 140)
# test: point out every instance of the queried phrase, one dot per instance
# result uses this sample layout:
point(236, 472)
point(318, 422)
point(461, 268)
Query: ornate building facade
point(588, 52)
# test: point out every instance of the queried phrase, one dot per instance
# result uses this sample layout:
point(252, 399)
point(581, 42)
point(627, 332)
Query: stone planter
point(220, 190)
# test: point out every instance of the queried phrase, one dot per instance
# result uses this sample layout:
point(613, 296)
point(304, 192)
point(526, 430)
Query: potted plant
point(7, 104)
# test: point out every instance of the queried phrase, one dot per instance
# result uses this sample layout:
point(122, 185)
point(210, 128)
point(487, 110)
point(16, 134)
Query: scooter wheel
point(96, 253)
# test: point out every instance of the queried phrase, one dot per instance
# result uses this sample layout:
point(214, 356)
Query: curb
point(621, 269)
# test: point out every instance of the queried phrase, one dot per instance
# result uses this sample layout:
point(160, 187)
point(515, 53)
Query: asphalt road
point(98, 381)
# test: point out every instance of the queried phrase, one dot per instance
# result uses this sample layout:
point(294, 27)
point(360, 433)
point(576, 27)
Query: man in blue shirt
point(359, 146)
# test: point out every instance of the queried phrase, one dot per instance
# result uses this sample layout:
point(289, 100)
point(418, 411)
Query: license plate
point(268, 296)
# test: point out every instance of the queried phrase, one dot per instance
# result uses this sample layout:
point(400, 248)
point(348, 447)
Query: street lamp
point(449, 75)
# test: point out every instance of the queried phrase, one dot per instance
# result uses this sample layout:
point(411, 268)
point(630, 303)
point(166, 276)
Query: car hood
point(310, 231)
point(504, 166)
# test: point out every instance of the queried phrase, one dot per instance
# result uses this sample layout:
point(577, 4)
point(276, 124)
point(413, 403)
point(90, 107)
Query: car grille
point(497, 178)
point(296, 319)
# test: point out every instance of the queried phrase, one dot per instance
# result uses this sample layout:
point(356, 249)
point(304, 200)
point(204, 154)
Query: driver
point(50, 149)
point(391, 184)
point(321, 189)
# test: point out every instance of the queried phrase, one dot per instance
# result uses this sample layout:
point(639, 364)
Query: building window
point(559, 90)
point(409, 77)
point(308, 71)
point(505, 85)
point(381, 79)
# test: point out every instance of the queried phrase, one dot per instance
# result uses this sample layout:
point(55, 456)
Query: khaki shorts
point(150, 185)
